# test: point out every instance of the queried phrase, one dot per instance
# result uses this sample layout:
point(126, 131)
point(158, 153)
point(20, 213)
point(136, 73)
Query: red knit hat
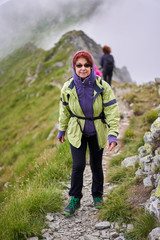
point(85, 55)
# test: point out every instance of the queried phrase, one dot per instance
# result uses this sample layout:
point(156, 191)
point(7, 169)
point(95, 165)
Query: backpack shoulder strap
point(100, 79)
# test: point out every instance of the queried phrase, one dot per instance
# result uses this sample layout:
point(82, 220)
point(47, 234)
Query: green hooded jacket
point(104, 100)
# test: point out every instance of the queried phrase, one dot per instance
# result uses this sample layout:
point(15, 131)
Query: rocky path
point(85, 225)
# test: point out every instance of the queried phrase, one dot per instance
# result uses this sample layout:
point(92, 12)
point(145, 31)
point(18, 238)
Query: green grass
point(116, 161)
point(117, 207)
point(144, 222)
point(119, 174)
point(34, 167)
point(23, 209)
point(138, 109)
point(24, 213)
point(150, 116)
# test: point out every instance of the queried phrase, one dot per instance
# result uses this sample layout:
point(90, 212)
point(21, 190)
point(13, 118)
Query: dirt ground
point(139, 194)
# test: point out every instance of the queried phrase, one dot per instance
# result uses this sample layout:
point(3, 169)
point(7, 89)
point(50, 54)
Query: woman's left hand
point(111, 146)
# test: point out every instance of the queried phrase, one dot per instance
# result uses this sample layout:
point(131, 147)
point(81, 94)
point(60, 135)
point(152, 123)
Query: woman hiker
point(107, 63)
point(89, 113)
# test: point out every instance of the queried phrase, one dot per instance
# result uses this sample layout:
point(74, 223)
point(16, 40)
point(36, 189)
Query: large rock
point(155, 165)
point(148, 138)
point(102, 225)
point(130, 161)
point(147, 181)
point(153, 205)
point(145, 163)
point(121, 75)
point(155, 234)
point(149, 166)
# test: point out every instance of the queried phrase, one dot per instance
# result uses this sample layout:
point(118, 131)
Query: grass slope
point(32, 167)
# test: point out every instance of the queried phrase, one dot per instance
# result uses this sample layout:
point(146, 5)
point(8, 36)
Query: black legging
point(107, 76)
point(79, 163)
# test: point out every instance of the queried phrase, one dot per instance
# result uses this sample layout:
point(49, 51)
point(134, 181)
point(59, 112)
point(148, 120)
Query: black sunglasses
point(86, 65)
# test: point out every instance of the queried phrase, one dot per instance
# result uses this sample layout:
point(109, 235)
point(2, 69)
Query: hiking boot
point(72, 206)
point(97, 202)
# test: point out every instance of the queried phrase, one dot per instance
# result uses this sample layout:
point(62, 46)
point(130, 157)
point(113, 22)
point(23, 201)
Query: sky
point(3, 2)
point(130, 28)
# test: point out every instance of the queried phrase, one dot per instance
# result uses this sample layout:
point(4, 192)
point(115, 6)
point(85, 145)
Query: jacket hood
point(91, 78)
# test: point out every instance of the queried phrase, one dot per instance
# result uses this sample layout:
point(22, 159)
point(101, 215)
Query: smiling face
point(82, 68)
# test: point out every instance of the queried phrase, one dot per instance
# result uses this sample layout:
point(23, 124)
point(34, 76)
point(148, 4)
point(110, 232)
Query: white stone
point(153, 205)
point(102, 225)
point(120, 238)
point(129, 227)
point(113, 235)
point(147, 181)
point(32, 238)
point(139, 172)
point(96, 234)
point(155, 234)
point(54, 225)
point(90, 237)
point(130, 161)
point(50, 217)
point(47, 236)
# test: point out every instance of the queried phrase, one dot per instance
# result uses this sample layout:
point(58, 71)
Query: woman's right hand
point(62, 139)
point(60, 136)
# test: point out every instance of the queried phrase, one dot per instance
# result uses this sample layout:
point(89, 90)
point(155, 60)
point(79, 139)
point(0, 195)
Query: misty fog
point(130, 28)
point(26, 20)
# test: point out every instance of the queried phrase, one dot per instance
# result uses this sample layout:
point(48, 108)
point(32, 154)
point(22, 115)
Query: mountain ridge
point(33, 165)
point(64, 49)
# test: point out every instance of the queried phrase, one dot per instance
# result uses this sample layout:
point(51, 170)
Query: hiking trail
point(85, 225)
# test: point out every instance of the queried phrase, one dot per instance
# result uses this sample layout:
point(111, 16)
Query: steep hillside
point(29, 110)
point(29, 99)
point(33, 167)
point(30, 163)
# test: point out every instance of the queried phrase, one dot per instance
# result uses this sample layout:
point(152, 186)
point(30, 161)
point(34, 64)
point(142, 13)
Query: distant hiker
point(97, 71)
point(107, 64)
point(89, 113)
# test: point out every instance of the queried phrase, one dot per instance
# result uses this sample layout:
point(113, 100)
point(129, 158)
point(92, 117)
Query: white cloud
point(3, 2)
point(131, 29)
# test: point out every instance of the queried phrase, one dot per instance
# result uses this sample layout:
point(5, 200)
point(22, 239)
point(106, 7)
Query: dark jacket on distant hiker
point(107, 64)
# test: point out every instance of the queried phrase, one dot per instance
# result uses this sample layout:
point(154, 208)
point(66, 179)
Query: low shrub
point(116, 207)
point(116, 161)
point(143, 225)
point(138, 109)
point(150, 116)
point(128, 135)
point(130, 97)
point(118, 174)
